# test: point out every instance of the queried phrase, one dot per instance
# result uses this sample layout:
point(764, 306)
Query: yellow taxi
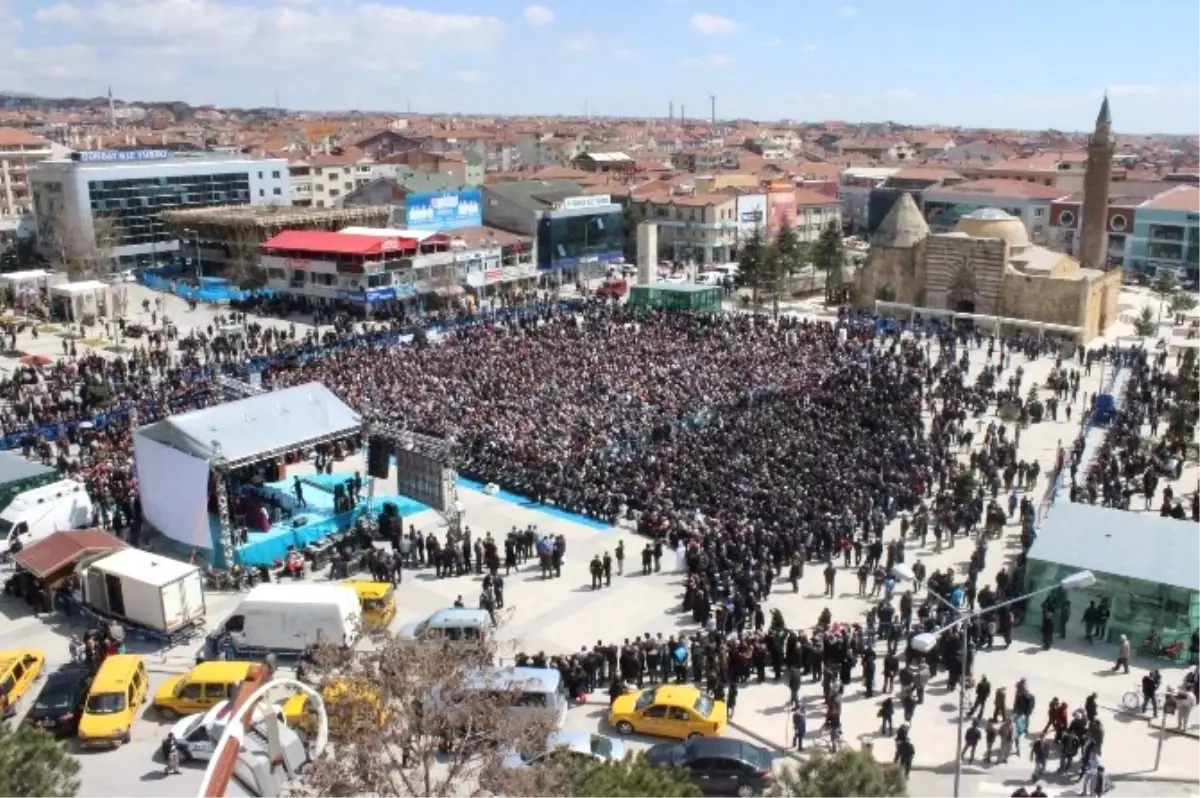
point(670, 710)
point(118, 689)
point(200, 689)
point(18, 670)
point(378, 601)
point(350, 706)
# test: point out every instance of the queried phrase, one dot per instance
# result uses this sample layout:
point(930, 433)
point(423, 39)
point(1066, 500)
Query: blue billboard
point(444, 210)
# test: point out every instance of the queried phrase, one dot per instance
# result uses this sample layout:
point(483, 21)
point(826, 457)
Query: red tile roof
point(337, 243)
point(1184, 198)
point(64, 548)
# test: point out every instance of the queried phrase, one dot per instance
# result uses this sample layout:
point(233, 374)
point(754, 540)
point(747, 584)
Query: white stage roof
point(258, 424)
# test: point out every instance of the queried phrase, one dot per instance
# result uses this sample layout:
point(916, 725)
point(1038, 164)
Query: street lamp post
point(927, 640)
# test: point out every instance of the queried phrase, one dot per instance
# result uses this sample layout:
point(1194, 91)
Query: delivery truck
point(285, 619)
point(145, 590)
point(40, 512)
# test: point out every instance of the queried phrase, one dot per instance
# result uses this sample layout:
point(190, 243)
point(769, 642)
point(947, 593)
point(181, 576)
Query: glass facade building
point(132, 205)
point(571, 241)
point(1145, 567)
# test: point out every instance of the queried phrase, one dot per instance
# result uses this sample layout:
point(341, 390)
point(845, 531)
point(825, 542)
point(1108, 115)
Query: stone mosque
point(987, 265)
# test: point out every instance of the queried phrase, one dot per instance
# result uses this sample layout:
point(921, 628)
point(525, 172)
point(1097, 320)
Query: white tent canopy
point(258, 424)
point(173, 456)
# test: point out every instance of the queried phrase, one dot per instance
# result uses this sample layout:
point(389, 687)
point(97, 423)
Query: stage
point(319, 518)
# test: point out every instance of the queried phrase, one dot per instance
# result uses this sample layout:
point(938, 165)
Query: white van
point(454, 624)
point(287, 618)
point(39, 513)
point(528, 692)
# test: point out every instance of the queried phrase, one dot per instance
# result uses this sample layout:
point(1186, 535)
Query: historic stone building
point(988, 267)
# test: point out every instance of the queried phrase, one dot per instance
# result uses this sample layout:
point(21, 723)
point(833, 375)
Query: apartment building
point(322, 180)
point(19, 150)
point(700, 229)
point(855, 185)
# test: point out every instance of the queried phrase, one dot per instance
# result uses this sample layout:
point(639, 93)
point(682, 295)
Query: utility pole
point(683, 116)
point(671, 113)
point(713, 97)
point(277, 105)
point(585, 110)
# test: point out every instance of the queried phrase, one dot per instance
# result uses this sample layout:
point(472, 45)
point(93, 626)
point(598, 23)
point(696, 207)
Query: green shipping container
point(682, 296)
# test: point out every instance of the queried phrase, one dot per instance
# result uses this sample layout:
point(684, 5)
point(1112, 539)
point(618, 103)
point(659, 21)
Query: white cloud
point(715, 60)
point(712, 25)
point(538, 15)
point(202, 50)
point(469, 76)
point(621, 52)
point(808, 48)
point(578, 44)
point(774, 41)
point(901, 94)
point(846, 12)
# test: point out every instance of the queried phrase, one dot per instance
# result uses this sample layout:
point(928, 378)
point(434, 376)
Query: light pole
point(925, 641)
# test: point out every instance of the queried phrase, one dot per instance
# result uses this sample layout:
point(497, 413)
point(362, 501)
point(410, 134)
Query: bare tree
point(428, 719)
point(79, 254)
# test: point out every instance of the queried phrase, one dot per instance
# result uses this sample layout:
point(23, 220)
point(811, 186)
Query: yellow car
point(679, 711)
point(18, 670)
point(119, 688)
point(378, 601)
point(350, 708)
point(200, 689)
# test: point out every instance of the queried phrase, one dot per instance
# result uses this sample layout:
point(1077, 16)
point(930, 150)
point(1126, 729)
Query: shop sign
point(582, 203)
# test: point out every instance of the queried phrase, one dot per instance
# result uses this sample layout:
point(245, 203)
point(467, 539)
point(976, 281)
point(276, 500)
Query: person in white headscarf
point(680, 557)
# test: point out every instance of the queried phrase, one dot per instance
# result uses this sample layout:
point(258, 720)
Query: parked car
point(59, 705)
point(718, 766)
point(18, 670)
point(669, 711)
point(585, 745)
point(198, 735)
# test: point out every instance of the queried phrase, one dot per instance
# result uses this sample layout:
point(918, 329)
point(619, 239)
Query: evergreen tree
point(753, 264)
point(788, 252)
point(630, 777)
point(829, 256)
point(1165, 284)
point(846, 773)
point(1182, 302)
point(1146, 325)
point(37, 764)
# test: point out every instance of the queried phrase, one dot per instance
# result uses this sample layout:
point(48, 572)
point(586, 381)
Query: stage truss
point(437, 449)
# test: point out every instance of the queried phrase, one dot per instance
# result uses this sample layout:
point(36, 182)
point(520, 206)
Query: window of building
point(348, 185)
point(320, 203)
point(333, 192)
point(260, 175)
point(278, 192)
point(1038, 213)
point(262, 193)
point(275, 174)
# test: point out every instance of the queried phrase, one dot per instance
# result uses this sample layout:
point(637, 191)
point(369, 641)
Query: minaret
point(1093, 234)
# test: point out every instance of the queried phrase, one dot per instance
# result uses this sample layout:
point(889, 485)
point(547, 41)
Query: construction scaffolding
point(226, 238)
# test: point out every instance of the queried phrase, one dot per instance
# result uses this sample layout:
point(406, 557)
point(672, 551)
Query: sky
point(1021, 64)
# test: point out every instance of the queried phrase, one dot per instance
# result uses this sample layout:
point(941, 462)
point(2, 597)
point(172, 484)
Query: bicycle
point(1134, 699)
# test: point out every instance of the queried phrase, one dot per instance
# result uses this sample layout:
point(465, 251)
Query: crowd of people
point(753, 448)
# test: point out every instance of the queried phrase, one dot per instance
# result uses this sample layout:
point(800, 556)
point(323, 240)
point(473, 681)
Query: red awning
point(326, 243)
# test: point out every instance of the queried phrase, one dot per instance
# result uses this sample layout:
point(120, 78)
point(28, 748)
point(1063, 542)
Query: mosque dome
point(995, 223)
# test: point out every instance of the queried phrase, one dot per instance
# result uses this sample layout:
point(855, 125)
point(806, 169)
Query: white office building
point(114, 197)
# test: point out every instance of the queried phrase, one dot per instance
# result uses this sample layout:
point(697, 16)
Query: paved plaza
point(562, 615)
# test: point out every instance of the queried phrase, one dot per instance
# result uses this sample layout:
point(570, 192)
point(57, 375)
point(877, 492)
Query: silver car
point(573, 743)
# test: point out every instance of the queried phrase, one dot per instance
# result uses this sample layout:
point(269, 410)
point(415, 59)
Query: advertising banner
point(780, 207)
point(444, 210)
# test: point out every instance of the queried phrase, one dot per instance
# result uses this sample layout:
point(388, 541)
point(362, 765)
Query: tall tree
point(788, 250)
point(34, 763)
point(1164, 287)
point(846, 773)
point(1146, 325)
point(829, 256)
point(753, 264)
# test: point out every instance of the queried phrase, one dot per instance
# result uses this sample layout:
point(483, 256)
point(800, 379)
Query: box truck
point(287, 618)
point(40, 512)
point(145, 589)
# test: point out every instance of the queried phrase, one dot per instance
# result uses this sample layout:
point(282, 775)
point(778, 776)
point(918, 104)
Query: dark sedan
point(60, 703)
point(718, 765)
